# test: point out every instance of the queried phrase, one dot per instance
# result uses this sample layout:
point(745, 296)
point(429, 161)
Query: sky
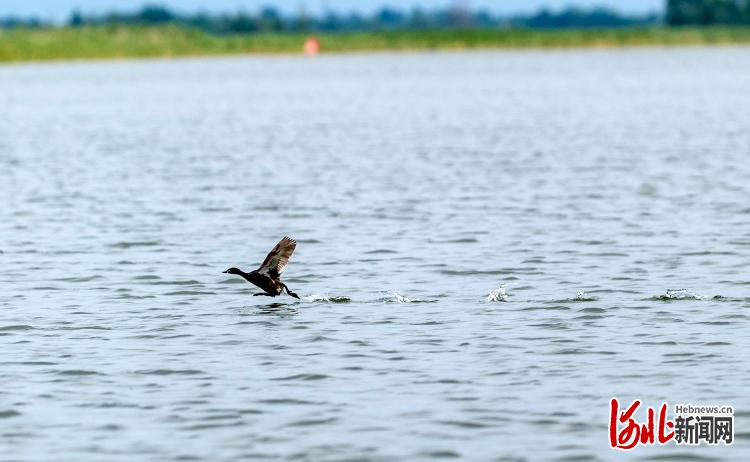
point(60, 9)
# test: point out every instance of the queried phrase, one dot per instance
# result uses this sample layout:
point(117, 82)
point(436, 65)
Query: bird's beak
point(225, 271)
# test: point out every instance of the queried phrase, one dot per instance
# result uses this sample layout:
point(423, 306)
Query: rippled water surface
point(486, 242)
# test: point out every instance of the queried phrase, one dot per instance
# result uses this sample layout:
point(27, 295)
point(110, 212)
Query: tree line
point(707, 12)
point(270, 19)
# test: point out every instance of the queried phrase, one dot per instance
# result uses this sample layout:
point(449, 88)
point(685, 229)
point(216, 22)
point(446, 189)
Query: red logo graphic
point(625, 433)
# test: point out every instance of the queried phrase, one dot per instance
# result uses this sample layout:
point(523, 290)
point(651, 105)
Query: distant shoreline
point(123, 42)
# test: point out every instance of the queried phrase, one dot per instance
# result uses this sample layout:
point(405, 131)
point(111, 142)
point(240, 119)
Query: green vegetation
point(93, 42)
point(707, 12)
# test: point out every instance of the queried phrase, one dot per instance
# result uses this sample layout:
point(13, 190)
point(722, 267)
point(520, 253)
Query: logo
point(692, 425)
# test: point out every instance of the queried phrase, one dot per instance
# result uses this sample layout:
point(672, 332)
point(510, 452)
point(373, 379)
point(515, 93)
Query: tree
point(76, 19)
point(388, 18)
point(154, 14)
point(418, 19)
point(706, 12)
point(270, 19)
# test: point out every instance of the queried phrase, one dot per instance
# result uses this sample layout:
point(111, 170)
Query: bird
point(267, 277)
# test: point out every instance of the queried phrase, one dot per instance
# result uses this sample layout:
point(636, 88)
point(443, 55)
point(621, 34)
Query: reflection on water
point(127, 187)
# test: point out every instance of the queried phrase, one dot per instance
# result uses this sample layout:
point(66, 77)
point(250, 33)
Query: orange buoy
point(312, 46)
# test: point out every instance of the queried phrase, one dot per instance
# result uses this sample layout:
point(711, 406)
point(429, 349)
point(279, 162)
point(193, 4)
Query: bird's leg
point(290, 292)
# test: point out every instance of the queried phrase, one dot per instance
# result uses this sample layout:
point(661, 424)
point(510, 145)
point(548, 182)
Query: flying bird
point(267, 277)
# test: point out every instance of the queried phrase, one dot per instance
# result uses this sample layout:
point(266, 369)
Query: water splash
point(680, 294)
point(402, 299)
point(498, 295)
point(582, 296)
point(327, 298)
point(398, 298)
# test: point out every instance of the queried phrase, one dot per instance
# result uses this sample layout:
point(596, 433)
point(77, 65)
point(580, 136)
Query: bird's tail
point(290, 292)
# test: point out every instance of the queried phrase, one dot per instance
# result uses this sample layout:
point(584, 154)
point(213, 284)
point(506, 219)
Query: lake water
point(416, 184)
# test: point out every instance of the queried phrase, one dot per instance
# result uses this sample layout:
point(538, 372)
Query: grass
point(171, 40)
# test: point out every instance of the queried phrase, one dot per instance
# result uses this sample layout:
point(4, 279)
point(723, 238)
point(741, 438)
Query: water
point(584, 184)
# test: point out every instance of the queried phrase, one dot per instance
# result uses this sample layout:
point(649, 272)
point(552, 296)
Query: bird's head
point(232, 271)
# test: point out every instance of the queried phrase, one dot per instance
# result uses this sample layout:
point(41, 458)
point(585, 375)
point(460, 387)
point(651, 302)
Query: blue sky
point(59, 9)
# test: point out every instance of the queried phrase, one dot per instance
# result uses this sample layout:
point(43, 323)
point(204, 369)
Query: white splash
point(582, 296)
point(327, 298)
point(317, 298)
point(498, 295)
point(402, 299)
point(682, 294)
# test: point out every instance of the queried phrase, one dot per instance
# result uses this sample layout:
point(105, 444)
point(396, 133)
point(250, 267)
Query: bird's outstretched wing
point(278, 258)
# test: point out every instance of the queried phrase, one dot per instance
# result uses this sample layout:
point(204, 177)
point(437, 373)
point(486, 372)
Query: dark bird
point(267, 277)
